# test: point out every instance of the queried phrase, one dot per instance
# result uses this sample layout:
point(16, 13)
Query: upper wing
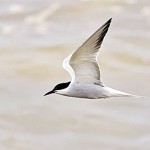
point(82, 64)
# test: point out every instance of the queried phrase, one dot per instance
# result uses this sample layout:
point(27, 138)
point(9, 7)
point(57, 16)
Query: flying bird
point(83, 67)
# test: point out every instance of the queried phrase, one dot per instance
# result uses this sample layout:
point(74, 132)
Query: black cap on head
point(58, 87)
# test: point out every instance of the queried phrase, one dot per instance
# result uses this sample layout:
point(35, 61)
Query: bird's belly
point(86, 91)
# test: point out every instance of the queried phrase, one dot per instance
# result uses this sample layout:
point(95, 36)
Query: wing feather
point(82, 64)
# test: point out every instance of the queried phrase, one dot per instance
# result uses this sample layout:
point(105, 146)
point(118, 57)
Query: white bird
point(85, 72)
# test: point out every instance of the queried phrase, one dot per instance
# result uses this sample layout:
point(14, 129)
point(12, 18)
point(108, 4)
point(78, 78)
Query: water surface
point(35, 37)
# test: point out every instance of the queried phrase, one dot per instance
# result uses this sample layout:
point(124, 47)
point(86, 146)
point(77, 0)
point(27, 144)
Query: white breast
point(84, 91)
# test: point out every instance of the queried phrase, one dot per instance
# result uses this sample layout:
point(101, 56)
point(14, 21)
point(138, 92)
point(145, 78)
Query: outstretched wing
point(82, 64)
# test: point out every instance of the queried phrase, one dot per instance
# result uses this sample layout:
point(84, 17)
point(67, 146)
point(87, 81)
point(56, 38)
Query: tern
point(83, 67)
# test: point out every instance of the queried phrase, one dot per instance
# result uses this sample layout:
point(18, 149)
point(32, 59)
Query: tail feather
point(116, 93)
point(138, 96)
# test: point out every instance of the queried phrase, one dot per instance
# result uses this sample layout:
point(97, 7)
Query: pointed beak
point(50, 92)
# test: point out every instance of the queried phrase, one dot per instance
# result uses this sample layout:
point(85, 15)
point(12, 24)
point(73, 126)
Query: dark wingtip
point(102, 32)
point(109, 21)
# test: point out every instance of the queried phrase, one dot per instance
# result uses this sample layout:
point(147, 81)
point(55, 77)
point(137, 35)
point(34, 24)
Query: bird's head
point(59, 86)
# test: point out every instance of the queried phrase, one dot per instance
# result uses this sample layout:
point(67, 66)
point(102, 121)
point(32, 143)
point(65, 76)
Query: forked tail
point(131, 95)
point(116, 93)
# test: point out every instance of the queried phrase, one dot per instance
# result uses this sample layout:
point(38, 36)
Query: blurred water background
point(35, 37)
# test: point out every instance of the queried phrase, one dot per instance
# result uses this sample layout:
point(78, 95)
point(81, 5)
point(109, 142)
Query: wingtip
point(110, 20)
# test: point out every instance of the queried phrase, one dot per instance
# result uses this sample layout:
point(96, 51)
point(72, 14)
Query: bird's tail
point(116, 93)
point(130, 95)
